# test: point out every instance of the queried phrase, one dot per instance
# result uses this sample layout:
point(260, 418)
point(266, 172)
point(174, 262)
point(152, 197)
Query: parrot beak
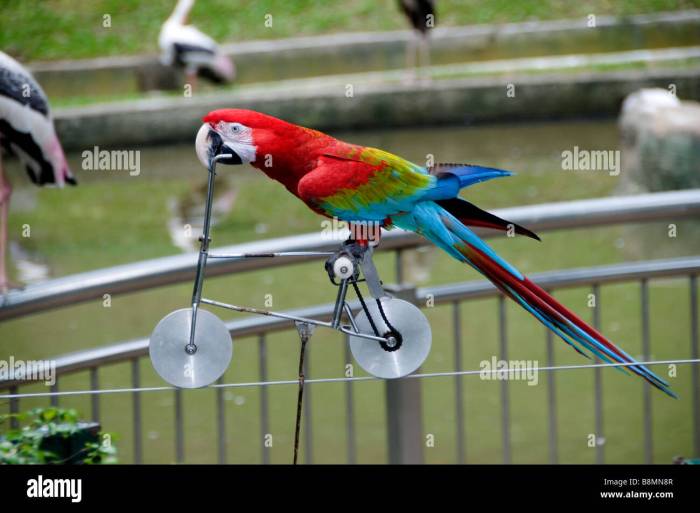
point(209, 144)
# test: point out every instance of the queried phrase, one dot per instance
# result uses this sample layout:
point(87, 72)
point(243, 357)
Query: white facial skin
point(236, 137)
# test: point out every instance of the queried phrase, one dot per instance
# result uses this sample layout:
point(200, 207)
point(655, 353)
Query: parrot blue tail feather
point(447, 232)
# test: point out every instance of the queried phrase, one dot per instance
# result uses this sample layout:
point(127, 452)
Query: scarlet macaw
point(360, 184)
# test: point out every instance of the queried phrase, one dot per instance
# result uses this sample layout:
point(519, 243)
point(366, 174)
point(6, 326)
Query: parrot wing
point(356, 183)
point(364, 184)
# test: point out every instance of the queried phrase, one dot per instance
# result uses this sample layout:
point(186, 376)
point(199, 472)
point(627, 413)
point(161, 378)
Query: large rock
point(660, 151)
point(660, 141)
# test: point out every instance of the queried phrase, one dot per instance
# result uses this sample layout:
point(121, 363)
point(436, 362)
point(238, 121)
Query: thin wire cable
point(343, 380)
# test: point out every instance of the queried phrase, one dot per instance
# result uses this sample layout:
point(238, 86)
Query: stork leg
point(424, 51)
point(412, 58)
point(191, 77)
point(5, 191)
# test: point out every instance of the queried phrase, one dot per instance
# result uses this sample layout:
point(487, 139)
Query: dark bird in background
point(421, 15)
point(185, 46)
point(27, 131)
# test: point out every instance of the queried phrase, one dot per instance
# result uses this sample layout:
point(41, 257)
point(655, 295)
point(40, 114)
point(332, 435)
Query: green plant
point(54, 436)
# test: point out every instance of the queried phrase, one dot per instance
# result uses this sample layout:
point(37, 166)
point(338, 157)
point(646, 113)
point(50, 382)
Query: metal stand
point(305, 331)
point(343, 265)
point(204, 241)
point(389, 337)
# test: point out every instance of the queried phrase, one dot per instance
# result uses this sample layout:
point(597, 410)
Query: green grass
point(109, 220)
point(66, 29)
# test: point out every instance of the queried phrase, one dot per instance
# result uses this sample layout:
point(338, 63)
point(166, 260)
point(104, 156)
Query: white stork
point(187, 47)
point(27, 131)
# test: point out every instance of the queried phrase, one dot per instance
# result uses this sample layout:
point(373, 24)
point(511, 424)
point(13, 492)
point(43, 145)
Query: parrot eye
point(236, 128)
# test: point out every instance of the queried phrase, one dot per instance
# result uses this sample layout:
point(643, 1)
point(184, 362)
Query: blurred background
point(509, 84)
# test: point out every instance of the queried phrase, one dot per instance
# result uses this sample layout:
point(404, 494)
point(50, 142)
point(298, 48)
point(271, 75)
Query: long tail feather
point(471, 215)
point(447, 232)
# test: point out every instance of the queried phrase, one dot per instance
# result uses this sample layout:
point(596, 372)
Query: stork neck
point(182, 11)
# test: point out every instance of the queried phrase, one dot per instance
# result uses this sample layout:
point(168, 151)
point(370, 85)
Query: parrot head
point(226, 132)
point(250, 137)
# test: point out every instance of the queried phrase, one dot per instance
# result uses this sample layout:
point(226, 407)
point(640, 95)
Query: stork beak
point(209, 144)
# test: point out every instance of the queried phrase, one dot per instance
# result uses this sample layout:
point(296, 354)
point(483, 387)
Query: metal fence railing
point(404, 409)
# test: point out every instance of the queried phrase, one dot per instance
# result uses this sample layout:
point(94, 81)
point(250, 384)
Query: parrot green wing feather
point(364, 184)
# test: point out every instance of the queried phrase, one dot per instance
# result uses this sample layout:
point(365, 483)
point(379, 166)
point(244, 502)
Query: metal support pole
point(14, 408)
point(695, 353)
point(308, 426)
point(305, 331)
point(221, 422)
point(349, 409)
point(339, 304)
point(505, 396)
point(95, 398)
point(646, 351)
point(264, 409)
point(553, 435)
point(204, 240)
point(136, 408)
point(179, 428)
point(54, 398)
point(404, 411)
point(459, 394)
point(598, 378)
